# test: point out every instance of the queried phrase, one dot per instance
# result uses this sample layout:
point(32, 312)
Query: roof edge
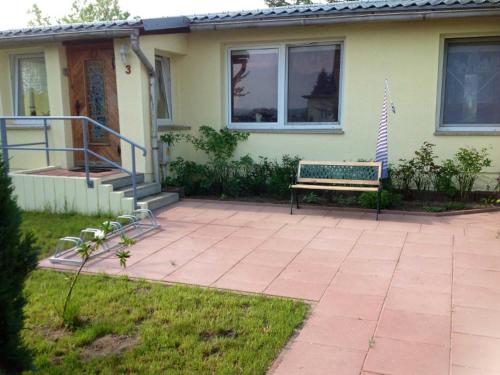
point(325, 19)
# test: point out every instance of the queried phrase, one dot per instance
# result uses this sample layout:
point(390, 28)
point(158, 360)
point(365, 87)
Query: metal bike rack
point(134, 226)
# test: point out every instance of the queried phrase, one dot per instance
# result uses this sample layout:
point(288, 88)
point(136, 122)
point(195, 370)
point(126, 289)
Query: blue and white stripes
point(382, 151)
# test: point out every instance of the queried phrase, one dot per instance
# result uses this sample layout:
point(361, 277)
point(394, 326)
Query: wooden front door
point(92, 78)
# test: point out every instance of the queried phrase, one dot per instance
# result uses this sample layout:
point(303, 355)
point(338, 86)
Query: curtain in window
point(33, 97)
point(472, 84)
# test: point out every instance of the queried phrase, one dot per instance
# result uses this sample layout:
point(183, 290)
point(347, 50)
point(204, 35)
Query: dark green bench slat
point(341, 172)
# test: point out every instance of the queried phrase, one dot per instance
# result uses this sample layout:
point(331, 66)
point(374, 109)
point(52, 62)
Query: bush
point(465, 167)
point(443, 182)
point(18, 257)
point(387, 199)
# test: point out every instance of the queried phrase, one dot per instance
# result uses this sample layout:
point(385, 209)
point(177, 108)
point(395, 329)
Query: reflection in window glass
point(313, 84)
point(32, 94)
point(472, 84)
point(254, 85)
point(163, 89)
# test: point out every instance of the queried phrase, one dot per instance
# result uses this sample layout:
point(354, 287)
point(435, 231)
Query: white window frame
point(15, 89)
point(167, 81)
point(455, 128)
point(282, 86)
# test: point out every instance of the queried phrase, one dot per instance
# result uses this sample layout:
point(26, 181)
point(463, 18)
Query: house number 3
point(128, 69)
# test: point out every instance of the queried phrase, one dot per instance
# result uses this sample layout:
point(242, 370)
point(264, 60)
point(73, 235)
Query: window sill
point(26, 127)
point(287, 131)
point(467, 132)
point(166, 128)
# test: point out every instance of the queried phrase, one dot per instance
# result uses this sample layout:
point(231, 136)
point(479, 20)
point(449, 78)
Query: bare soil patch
point(108, 345)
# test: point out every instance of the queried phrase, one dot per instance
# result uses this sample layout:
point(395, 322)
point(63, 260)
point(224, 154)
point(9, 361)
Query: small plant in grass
point(70, 312)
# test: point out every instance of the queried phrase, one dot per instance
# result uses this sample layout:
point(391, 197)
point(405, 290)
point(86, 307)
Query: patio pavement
point(404, 295)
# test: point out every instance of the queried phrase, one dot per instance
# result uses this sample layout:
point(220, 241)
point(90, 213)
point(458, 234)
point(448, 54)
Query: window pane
point(472, 84)
point(254, 83)
point(313, 84)
point(32, 94)
point(96, 99)
point(162, 76)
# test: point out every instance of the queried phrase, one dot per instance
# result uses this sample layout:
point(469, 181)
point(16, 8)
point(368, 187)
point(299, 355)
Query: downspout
point(134, 43)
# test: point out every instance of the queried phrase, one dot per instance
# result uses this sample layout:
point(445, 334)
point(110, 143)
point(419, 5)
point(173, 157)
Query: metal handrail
point(85, 149)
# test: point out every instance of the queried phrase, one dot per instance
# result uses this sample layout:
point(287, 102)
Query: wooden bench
point(337, 176)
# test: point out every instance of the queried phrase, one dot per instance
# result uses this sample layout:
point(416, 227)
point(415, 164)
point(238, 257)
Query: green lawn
point(49, 227)
point(144, 328)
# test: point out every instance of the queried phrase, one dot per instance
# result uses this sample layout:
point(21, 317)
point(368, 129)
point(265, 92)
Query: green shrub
point(443, 182)
point(434, 209)
point(454, 206)
point(387, 199)
point(311, 198)
point(402, 176)
point(18, 257)
point(424, 166)
point(465, 167)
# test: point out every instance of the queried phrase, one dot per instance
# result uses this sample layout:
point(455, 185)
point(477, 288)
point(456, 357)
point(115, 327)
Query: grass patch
point(139, 327)
point(49, 227)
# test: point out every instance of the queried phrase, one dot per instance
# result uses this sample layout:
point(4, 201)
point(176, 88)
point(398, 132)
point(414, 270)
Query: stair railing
point(85, 121)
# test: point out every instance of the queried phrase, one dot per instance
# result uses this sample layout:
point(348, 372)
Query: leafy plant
point(466, 166)
point(434, 208)
point(171, 138)
point(18, 257)
point(454, 206)
point(444, 180)
point(218, 145)
point(311, 198)
point(402, 175)
point(387, 199)
point(81, 11)
point(424, 167)
point(69, 312)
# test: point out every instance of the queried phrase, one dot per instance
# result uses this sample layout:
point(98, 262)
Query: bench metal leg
point(378, 202)
point(291, 201)
point(297, 199)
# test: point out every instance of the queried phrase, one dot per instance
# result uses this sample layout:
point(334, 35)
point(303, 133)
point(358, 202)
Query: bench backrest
point(333, 172)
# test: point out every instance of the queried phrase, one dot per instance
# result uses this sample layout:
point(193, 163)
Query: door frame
point(74, 92)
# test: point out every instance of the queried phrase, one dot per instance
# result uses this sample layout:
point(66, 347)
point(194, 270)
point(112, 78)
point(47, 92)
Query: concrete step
point(122, 180)
point(158, 200)
point(143, 190)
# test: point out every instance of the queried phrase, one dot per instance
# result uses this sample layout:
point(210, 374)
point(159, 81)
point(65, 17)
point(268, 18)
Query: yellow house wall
point(407, 54)
point(133, 92)
point(60, 132)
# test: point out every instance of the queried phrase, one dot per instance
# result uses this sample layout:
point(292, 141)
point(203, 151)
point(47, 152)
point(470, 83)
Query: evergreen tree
point(18, 257)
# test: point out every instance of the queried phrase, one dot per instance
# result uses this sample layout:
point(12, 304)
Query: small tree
point(18, 257)
point(82, 11)
point(69, 314)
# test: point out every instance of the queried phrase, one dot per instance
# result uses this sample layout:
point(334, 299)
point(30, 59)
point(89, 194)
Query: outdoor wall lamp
point(124, 52)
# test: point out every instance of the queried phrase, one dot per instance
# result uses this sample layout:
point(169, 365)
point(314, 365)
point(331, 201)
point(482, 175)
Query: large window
point(285, 86)
point(31, 96)
point(163, 91)
point(471, 84)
